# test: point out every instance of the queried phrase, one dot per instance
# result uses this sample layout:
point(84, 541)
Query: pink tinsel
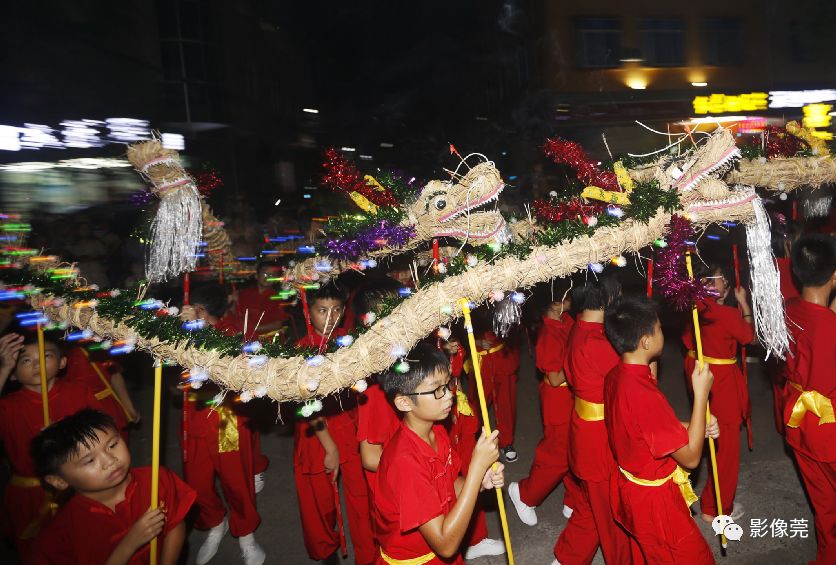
point(670, 273)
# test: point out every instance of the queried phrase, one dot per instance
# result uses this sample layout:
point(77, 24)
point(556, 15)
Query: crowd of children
point(406, 454)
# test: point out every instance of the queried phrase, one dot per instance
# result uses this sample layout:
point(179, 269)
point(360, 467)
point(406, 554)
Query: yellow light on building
point(724, 103)
point(817, 115)
point(637, 83)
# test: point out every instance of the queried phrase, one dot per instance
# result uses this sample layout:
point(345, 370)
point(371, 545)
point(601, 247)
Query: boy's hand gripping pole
point(477, 372)
point(701, 362)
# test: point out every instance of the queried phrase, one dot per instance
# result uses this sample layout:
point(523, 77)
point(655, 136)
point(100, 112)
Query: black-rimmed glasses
point(439, 392)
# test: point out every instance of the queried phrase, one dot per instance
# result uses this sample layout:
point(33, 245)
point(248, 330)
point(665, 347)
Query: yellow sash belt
point(713, 360)
point(24, 482)
point(462, 405)
point(679, 476)
point(228, 436)
point(413, 561)
point(48, 508)
point(468, 365)
point(810, 401)
point(589, 411)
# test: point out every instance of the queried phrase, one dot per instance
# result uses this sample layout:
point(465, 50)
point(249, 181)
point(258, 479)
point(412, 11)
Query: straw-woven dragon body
point(704, 196)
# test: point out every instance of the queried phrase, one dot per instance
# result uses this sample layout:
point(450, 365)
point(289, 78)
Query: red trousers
point(234, 469)
point(465, 433)
point(727, 405)
point(820, 481)
point(26, 513)
point(549, 468)
point(501, 392)
point(260, 461)
point(592, 524)
point(319, 512)
point(661, 527)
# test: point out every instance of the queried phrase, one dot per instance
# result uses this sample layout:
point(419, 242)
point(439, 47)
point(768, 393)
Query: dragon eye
point(440, 204)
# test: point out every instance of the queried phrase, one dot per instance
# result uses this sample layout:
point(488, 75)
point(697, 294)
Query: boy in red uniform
point(811, 383)
point(551, 460)
point(108, 384)
point(423, 507)
point(589, 360)
point(26, 506)
point(326, 447)
point(218, 442)
point(257, 300)
point(723, 328)
point(650, 445)
point(108, 518)
point(500, 363)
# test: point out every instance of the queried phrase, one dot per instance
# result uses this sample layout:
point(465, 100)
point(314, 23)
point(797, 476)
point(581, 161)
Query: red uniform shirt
point(377, 420)
point(341, 419)
point(231, 325)
point(642, 427)
point(80, 368)
point(722, 328)
point(258, 302)
point(788, 288)
point(415, 485)
point(589, 360)
point(85, 532)
point(21, 418)
point(812, 365)
point(551, 352)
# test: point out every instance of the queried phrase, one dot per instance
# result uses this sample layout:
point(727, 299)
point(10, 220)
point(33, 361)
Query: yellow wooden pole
point(42, 366)
point(701, 361)
point(155, 448)
point(477, 372)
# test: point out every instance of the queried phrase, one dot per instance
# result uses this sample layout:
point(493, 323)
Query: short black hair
point(213, 297)
point(628, 320)
point(61, 440)
point(30, 337)
point(814, 259)
point(597, 294)
point(423, 361)
point(330, 290)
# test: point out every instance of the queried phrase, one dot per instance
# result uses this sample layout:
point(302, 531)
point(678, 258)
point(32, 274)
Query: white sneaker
point(567, 512)
point(251, 552)
point(737, 511)
point(485, 547)
point(210, 545)
point(510, 454)
point(555, 562)
point(258, 478)
point(527, 514)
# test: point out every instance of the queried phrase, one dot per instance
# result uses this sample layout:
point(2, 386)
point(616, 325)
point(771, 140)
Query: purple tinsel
point(670, 271)
point(142, 198)
point(383, 234)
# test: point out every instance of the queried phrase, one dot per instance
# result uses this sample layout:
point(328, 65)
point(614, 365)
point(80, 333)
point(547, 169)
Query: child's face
point(558, 307)
point(28, 369)
point(326, 314)
point(718, 282)
point(436, 404)
point(100, 467)
point(654, 342)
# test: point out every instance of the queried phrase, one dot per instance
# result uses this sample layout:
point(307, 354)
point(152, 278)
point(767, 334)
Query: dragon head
point(451, 209)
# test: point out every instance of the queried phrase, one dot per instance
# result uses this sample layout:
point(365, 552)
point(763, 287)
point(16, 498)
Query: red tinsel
point(571, 154)
point(206, 181)
point(572, 210)
point(780, 143)
point(344, 177)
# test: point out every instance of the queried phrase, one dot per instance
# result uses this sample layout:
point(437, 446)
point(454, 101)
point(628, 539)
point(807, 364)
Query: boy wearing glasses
point(424, 507)
point(723, 328)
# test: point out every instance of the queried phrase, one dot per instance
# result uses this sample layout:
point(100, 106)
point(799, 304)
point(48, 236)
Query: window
point(723, 41)
point(663, 41)
point(598, 42)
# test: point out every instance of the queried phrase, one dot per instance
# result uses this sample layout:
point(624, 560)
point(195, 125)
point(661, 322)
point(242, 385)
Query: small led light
point(596, 267)
point(345, 340)
point(401, 367)
point(315, 361)
point(517, 297)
